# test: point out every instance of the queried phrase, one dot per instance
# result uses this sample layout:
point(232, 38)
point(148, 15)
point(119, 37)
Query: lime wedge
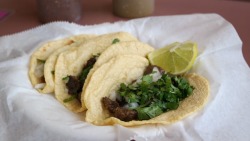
point(176, 58)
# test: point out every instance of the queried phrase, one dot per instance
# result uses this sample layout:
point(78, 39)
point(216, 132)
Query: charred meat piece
point(119, 112)
point(91, 62)
point(73, 85)
point(110, 104)
point(162, 71)
point(150, 68)
point(125, 114)
point(121, 102)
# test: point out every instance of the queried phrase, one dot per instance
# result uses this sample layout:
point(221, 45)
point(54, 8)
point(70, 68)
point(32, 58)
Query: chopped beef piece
point(91, 62)
point(110, 104)
point(125, 114)
point(162, 71)
point(121, 102)
point(42, 79)
point(150, 68)
point(119, 112)
point(73, 85)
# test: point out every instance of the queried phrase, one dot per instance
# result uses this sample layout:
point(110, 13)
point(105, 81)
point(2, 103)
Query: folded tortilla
point(40, 56)
point(121, 48)
point(125, 69)
point(72, 62)
point(49, 66)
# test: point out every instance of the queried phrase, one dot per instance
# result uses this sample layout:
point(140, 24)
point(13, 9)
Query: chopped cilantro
point(157, 97)
point(66, 78)
point(78, 82)
point(52, 72)
point(96, 55)
point(70, 98)
point(147, 79)
point(41, 61)
point(85, 73)
point(116, 40)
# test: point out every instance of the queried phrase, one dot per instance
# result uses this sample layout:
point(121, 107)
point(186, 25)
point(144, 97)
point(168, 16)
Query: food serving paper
point(26, 115)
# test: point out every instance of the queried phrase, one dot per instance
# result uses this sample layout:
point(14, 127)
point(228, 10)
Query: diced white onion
point(156, 75)
point(40, 86)
point(39, 71)
point(131, 105)
point(118, 97)
point(113, 95)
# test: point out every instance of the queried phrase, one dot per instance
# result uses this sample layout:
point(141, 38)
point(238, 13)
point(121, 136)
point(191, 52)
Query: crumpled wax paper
point(26, 115)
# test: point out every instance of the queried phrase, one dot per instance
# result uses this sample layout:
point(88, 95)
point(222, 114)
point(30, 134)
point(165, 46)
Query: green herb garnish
point(53, 72)
point(85, 73)
point(41, 61)
point(157, 97)
point(96, 55)
point(70, 98)
point(78, 81)
point(66, 78)
point(116, 40)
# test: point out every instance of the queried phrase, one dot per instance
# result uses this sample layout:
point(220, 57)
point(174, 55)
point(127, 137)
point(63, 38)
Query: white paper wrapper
point(26, 115)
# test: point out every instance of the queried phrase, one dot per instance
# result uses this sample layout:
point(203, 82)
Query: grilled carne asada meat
point(117, 111)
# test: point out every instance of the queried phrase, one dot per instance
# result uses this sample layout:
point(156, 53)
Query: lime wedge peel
point(176, 58)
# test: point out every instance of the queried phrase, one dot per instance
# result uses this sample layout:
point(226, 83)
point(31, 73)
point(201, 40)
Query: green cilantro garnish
point(52, 72)
point(96, 55)
point(78, 81)
point(70, 98)
point(157, 97)
point(66, 78)
point(41, 61)
point(116, 40)
point(85, 73)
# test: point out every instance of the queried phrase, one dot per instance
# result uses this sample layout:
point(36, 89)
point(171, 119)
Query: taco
point(128, 91)
point(122, 48)
point(73, 67)
point(40, 56)
point(49, 68)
